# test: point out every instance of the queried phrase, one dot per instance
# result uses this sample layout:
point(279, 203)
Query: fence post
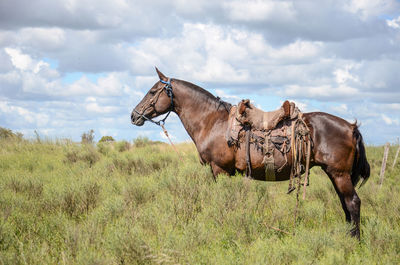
point(384, 160)
point(397, 153)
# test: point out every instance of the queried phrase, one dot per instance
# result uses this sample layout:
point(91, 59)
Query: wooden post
point(384, 160)
point(397, 153)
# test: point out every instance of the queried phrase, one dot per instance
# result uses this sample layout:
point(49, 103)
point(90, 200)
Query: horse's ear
point(161, 75)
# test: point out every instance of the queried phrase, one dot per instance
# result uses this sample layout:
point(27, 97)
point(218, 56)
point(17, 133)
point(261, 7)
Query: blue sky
point(71, 66)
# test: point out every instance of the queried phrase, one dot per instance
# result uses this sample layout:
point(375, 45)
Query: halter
point(168, 90)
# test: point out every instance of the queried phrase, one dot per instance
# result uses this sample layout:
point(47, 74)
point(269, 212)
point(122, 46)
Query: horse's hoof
point(355, 233)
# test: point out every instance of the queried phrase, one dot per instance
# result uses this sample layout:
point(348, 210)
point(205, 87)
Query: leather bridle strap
point(170, 94)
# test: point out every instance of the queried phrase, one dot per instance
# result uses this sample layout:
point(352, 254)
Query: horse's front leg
point(216, 170)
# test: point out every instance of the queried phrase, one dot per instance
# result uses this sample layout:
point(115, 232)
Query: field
point(140, 203)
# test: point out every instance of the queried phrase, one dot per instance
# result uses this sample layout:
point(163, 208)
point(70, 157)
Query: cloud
point(394, 23)
point(260, 10)
point(367, 8)
point(23, 116)
point(19, 60)
point(336, 56)
point(389, 121)
point(230, 98)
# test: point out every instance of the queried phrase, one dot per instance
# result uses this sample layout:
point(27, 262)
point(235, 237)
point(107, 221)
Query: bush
point(105, 147)
point(9, 134)
point(29, 186)
point(87, 137)
point(90, 155)
point(106, 139)
point(123, 146)
point(87, 154)
point(141, 141)
point(82, 201)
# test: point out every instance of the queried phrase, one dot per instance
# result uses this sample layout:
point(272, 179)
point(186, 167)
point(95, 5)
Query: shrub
point(71, 156)
point(31, 187)
point(131, 249)
point(9, 134)
point(141, 141)
point(87, 154)
point(87, 137)
point(123, 146)
point(105, 147)
point(90, 155)
point(106, 139)
point(78, 202)
point(138, 194)
point(128, 165)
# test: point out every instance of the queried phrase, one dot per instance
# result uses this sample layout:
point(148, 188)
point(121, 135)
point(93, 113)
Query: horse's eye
point(152, 92)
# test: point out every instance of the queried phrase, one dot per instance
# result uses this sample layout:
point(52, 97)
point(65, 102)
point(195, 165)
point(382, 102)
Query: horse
point(337, 147)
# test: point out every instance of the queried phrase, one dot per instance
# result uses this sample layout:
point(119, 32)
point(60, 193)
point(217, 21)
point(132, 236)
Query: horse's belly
point(281, 164)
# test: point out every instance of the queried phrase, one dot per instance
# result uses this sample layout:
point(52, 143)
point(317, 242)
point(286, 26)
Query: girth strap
point(248, 161)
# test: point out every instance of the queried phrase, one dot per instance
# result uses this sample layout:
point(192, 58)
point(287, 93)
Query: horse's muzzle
point(136, 119)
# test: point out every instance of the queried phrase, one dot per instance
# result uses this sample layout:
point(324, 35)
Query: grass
point(123, 203)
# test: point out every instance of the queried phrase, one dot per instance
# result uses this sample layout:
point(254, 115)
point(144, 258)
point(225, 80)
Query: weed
point(123, 146)
point(86, 153)
point(87, 137)
point(78, 202)
point(72, 203)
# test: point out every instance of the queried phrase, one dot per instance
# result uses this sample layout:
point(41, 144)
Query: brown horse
point(337, 144)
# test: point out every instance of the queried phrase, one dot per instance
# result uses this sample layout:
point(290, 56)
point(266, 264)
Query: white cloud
point(324, 92)
point(367, 8)
point(256, 10)
point(389, 121)
point(231, 98)
point(341, 109)
point(338, 56)
point(19, 60)
point(93, 106)
point(343, 75)
point(43, 38)
point(303, 106)
point(23, 116)
point(394, 23)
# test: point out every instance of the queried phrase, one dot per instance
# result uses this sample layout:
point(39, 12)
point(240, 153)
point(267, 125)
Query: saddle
point(247, 115)
point(259, 119)
point(266, 130)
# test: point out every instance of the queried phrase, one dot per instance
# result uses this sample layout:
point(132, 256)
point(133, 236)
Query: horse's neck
point(198, 116)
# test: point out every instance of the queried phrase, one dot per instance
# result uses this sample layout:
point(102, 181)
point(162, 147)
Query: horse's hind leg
point(351, 203)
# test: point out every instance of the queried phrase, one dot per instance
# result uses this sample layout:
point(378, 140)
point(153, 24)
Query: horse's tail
point(361, 166)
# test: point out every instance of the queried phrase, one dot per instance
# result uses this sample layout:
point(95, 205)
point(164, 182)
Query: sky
point(70, 66)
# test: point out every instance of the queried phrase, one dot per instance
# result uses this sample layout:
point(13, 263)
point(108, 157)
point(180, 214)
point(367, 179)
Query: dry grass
point(69, 203)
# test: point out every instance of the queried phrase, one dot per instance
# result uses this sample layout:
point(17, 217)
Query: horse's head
point(156, 102)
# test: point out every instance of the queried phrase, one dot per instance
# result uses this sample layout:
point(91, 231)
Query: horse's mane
point(203, 94)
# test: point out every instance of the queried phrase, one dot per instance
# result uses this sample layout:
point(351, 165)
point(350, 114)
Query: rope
point(248, 161)
point(169, 139)
point(307, 168)
point(301, 142)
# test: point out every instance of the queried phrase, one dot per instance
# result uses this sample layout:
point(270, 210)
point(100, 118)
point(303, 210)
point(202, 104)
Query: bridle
point(168, 90)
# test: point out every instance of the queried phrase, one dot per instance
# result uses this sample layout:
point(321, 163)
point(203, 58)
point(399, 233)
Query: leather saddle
point(260, 122)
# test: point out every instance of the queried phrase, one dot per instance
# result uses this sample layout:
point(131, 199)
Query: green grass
point(118, 203)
